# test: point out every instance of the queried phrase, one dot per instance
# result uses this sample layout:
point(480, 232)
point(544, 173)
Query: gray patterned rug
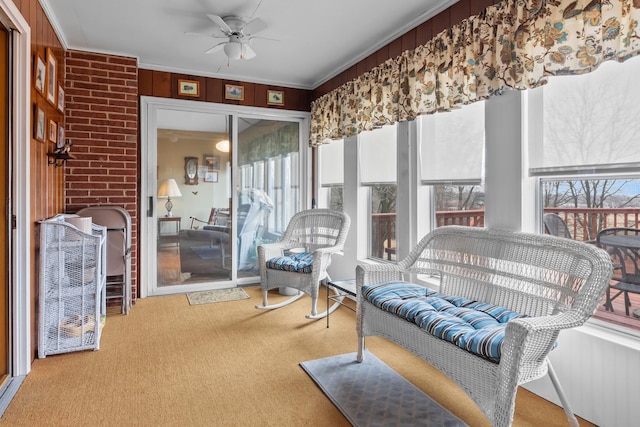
point(217, 295)
point(372, 394)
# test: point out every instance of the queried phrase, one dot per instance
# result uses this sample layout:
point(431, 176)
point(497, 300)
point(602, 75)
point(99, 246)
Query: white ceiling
point(316, 39)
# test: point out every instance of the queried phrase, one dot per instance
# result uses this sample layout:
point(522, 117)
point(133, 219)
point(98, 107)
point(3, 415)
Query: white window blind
point(378, 154)
point(589, 122)
point(452, 145)
point(331, 157)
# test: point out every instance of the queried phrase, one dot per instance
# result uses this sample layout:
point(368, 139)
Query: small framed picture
point(211, 176)
point(53, 131)
point(275, 97)
point(60, 141)
point(52, 83)
point(212, 162)
point(40, 74)
point(234, 92)
point(38, 124)
point(188, 87)
point(60, 99)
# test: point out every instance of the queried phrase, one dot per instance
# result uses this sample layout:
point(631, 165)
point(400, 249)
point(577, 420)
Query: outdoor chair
point(623, 245)
point(555, 225)
point(301, 258)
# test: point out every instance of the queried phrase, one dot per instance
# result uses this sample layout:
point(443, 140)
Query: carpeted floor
point(371, 394)
point(172, 364)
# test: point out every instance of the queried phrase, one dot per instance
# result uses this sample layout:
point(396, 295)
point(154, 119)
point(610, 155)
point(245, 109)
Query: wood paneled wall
point(47, 182)
point(165, 85)
point(410, 40)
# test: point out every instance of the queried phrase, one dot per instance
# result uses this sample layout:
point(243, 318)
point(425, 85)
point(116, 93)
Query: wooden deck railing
point(584, 223)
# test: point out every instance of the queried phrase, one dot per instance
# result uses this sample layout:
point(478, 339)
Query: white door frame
point(148, 134)
point(20, 309)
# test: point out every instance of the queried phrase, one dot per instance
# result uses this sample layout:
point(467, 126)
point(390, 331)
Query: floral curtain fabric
point(515, 44)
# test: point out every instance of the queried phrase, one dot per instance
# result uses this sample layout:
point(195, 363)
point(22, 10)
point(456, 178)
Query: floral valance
point(514, 44)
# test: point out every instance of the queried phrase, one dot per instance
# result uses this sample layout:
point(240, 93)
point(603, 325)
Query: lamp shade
point(169, 188)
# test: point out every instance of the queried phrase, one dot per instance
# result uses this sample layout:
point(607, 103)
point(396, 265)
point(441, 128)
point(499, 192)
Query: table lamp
point(168, 189)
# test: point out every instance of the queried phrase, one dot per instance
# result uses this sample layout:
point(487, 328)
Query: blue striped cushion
point(472, 325)
point(299, 263)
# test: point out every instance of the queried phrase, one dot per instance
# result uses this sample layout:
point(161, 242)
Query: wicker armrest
point(367, 274)
point(270, 250)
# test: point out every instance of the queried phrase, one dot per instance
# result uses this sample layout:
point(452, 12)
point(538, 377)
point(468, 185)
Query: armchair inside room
point(301, 258)
point(217, 216)
point(207, 249)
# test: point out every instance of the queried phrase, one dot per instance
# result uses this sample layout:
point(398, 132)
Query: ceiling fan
point(238, 32)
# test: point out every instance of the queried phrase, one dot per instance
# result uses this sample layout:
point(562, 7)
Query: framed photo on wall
point(212, 162)
point(60, 99)
point(52, 83)
point(39, 74)
point(53, 131)
point(188, 87)
point(234, 92)
point(275, 97)
point(211, 176)
point(38, 123)
point(60, 141)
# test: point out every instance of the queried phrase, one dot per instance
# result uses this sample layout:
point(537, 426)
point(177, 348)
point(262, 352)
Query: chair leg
point(627, 303)
point(608, 306)
point(573, 421)
point(265, 304)
point(324, 313)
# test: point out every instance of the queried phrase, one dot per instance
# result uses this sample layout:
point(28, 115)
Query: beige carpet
point(216, 295)
point(171, 364)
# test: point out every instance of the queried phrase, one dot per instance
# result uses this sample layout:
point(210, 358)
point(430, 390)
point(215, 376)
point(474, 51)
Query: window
point(586, 156)
point(331, 160)
point(378, 166)
point(451, 163)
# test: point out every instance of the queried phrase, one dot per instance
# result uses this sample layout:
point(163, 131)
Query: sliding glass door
point(268, 159)
point(218, 180)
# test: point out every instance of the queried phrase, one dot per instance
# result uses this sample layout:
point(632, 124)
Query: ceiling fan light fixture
point(233, 50)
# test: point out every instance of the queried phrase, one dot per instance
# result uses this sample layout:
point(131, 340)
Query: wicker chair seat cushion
point(299, 263)
point(471, 325)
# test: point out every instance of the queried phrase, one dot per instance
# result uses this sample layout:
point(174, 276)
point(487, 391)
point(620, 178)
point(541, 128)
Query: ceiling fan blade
point(253, 27)
point(247, 51)
point(220, 23)
point(213, 36)
point(215, 48)
point(251, 39)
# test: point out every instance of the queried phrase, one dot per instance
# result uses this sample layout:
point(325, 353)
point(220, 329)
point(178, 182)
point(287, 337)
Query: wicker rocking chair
point(301, 258)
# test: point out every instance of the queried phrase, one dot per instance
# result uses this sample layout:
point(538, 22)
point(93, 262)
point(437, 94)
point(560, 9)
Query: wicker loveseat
point(526, 288)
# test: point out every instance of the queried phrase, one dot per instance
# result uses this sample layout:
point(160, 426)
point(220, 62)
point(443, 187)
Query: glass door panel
point(193, 233)
point(268, 159)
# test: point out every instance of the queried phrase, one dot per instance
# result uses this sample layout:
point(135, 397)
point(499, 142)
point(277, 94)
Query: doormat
point(217, 295)
point(372, 394)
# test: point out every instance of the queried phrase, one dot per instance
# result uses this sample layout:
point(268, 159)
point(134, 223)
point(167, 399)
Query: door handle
point(150, 210)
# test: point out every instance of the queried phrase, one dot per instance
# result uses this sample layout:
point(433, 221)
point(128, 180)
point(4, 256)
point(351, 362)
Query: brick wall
point(101, 107)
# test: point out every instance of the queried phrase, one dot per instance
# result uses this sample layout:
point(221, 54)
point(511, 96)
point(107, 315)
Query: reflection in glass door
point(193, 227)
point(268, 188)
